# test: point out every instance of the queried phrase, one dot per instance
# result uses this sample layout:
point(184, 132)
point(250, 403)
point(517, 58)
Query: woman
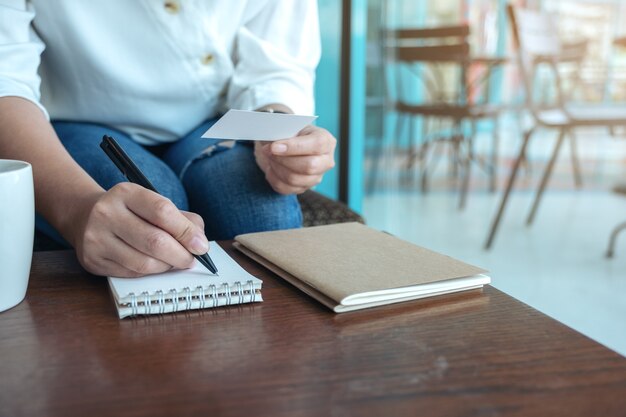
point(155, 76)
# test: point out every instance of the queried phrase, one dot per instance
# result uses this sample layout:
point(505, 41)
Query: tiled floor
point(557, 265)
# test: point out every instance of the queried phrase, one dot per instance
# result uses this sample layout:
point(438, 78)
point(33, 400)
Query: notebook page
point(230, 272)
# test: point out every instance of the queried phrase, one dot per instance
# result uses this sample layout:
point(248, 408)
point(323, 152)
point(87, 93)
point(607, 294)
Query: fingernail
point(199, 245)
point(279, 148)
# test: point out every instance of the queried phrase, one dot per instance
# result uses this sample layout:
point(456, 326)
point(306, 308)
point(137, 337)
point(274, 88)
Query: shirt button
point(208, 59)
point(171, 6)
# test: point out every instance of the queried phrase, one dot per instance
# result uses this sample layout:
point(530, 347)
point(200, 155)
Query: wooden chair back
point(537, 42)
point(424, 51)
point(533, 36)
point(534, 33)
point(436, 44)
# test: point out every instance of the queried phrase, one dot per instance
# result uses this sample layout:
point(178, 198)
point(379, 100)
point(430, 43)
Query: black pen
point(134, 175)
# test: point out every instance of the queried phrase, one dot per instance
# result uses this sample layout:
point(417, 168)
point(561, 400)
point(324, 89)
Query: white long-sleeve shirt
point(156, 69)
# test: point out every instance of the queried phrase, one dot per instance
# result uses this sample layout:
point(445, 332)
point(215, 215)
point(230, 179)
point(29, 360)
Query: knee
point(278, 212)
point(264, 212)
point(237, 199)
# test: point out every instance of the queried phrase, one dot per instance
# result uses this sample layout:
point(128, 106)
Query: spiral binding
point(133, 303)
point(227, 293)
point(187, 293)
point(161, 301)
point(174, 299)
point(199, 295)
point(252, 290)
point(239, 291)
point(214, 295)
point(147, 304)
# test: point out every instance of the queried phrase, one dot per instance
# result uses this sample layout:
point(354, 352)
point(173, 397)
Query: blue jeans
point(223, 185)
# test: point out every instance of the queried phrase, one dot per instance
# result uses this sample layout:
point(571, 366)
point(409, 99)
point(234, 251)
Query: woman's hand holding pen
point(130, 231)
point(294, 165)
point(127, 231)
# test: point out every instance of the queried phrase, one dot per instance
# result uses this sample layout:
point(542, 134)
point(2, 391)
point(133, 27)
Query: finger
point(98, 265)
point(281, 187)
point(295, 179)
point(306, 165)
point(134, 260)
point(113, 269)
point(317, 142)
point(149, 240)
point(109, 263)
point(162, 213)
point(262, 156)
point(195, 218)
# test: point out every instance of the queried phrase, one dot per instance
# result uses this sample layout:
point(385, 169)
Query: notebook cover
point(349, 258)
point(332, 304)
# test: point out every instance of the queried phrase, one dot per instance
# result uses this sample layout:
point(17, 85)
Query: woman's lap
point(82, 141)
point(226, 187)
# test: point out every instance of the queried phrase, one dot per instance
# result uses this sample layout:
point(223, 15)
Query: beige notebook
point(350, 266)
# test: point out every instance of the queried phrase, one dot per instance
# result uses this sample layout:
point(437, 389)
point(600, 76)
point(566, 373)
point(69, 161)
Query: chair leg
point(455, 150)
point(493, 180)
point(407, 130)
point(546, 177)
point(373, 176)
point(412, 145)
point(616, 231)
point(527, 166)
point(505, 197)
point(371, 183)
point(423, 155)
point(578, 179)
point(467, 167)
point(424, 168)
point(469, 144)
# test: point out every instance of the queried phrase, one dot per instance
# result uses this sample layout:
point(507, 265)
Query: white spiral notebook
point(188, 289)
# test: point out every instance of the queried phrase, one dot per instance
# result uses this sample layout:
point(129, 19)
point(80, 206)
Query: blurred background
point(494, 132)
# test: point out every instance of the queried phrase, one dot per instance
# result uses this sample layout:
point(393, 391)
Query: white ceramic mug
point(17, 230)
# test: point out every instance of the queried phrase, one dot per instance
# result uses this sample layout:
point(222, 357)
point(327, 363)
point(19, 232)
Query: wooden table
point(64, 352)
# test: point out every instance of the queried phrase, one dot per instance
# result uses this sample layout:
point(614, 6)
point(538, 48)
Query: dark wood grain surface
point(64, 352)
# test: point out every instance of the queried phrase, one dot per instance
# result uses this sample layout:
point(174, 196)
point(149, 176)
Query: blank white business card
point(254, 125)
